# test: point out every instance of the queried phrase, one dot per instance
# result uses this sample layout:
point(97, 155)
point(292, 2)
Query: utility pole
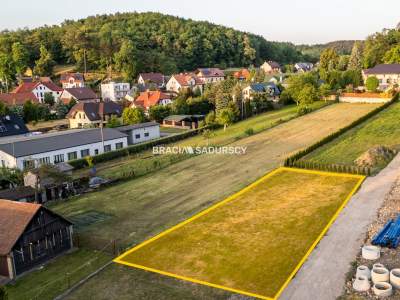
point(84, 61)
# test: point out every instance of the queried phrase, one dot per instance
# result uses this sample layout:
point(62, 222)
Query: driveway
point(323, 274)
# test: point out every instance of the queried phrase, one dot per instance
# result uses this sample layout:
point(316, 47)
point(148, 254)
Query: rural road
point(323, 274)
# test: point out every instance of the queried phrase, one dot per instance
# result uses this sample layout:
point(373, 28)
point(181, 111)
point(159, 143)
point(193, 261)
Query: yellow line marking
point(120, 259)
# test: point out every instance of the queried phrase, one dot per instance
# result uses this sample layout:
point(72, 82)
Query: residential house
point(39, 89)
point(270, 67)
point(148, 78)
point(11, 124)
point(72, 80)
point(182, 81)
point(242, 74)
point(303, 67)
point(210, 75)
point(28, 152)
point(142, 132)
point(30, 235)
point(114, 91)
point(80, 94)
point(11, 99)
point(387, 74)
point(150, 98)
point(183, 121)
point(268, 88)
point(92, 114)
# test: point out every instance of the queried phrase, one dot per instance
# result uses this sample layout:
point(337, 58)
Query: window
point(85, 152)
point(72, 155)
point(58, 158)
point(107, 148)
point(3, 163)
point(119, 145)
point(29, 164)
point(146, 134)
point(137, 136)
point(96, 151)
point(44, 160)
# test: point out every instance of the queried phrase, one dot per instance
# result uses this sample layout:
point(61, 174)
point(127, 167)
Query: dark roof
point(29, 145)
point(210, 72)
point(11, 124)
point(266, 87)
point(66, 76)
point(18, 99)
point(157, 78)
point(179, 118)
point(273, 64)
point(136, 126)
point(18, 193)
point(82, 93)
point(94, 110)
point(14, 218)
point(384, 69)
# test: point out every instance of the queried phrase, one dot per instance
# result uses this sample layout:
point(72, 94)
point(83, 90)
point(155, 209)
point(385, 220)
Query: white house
point(114, 91)
point(52, 148)
point(181, 81)
point(270, 67)
point(210, 75)
point(139, 133)
point(72, 80)
point(387, 74)
point(158, 79)
point(39, 89)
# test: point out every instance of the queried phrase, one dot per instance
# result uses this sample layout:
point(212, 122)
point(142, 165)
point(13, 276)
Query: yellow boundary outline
point(361, 178)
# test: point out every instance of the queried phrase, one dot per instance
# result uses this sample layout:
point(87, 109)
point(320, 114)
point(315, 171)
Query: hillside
point(314, 51)
point(137, 42)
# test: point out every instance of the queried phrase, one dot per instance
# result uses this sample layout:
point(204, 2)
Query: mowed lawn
point(382, 129)
point(253, 241)
point(141, 208)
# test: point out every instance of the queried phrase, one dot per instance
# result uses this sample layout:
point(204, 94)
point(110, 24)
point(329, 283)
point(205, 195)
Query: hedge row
point(310, 165)
point(81, 163)
point(291, 160)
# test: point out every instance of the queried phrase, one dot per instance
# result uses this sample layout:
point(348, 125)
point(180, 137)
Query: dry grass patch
point(253, 241)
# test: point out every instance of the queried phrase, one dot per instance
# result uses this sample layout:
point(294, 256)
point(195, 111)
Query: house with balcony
point(114, 91)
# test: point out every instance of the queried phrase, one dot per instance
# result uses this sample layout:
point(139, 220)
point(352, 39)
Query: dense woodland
point(139, 42)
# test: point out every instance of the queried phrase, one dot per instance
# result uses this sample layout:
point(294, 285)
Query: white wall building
point(139, 133)
point(32, 151)
point(114, 91)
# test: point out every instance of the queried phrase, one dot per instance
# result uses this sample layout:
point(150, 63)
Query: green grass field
point(49, 281)
point(382, 129)
point(241, 243)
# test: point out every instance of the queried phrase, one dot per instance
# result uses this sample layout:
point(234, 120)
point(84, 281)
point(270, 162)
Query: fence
point(294, 159)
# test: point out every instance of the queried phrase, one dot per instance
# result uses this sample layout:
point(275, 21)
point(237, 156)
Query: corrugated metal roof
point(29, 145)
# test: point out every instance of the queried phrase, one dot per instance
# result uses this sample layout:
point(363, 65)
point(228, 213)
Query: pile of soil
point(374, 156)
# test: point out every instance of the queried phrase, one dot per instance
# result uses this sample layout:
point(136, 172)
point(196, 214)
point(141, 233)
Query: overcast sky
point(298, 21)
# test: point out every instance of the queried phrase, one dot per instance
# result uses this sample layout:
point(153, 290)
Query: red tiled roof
point(18, 98)
point(52, 86)
point(14, 218)
point(183, 79)
point(150, 98)
point(244, 73)
point(27, 87)
point(76, 76)
point(157, 78)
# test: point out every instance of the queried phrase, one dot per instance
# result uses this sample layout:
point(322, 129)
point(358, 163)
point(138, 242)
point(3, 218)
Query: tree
point(44, 65)
point(6, 69)
point(159, 112)
point(20, 57)
point(125, 60)
point(325, 90)
point(226, 117)
point(3, 293)
point(296, 83)
point(61, 110)
point(372, 83)
point(356, 58)
point(392, 56)
point(207, 134)
point(113, 122)
point(329, 61)
point(31, 112)
point(180, 106)
point(3, 109)
point(133, 116)
point(11, 177)
point(343, 62)
point(308, 95)
point(210, 118)
point(49, 99)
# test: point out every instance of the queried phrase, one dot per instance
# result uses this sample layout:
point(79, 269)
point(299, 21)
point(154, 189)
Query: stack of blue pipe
point(389, 236)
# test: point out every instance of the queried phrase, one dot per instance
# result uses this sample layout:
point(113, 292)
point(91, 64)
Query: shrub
point(249, 131)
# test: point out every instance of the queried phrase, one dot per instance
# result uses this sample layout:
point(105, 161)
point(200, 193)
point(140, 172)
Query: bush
point(372, 83)
point(303, 110)
point(249, 131)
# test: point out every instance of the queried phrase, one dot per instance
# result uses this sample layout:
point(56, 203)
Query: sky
point(297, 21)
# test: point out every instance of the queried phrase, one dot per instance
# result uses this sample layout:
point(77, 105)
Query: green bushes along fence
point(294, 159)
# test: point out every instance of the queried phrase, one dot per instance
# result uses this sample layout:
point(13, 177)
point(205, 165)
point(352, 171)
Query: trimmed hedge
point(337, 168)
point(292, 161)
point(133, 149)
